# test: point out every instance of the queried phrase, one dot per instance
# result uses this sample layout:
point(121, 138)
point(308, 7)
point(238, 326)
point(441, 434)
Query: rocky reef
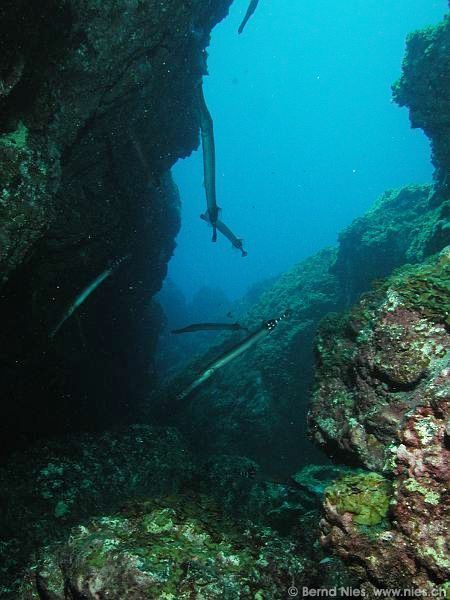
point(135, 508)
point(268, 399)
point(382, 383)
point(167, 548)
point(382, 400)
point(425, 89)
point(263, 396)
point(52, 486)
point(241, 413)
point(97, 103)
point(403, 226)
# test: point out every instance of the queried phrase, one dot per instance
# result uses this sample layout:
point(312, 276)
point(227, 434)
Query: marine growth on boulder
point(382, 400)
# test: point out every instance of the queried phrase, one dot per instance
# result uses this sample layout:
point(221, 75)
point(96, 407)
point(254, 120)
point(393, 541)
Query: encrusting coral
point(366, 496)
point(172, 548)
point(382, 400)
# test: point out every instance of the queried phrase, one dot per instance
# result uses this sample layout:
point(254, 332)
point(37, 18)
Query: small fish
point(250, 10)
point(209, 161)
point(82, 296)
point(209, 327)
point(238, 349)
point(226, 231)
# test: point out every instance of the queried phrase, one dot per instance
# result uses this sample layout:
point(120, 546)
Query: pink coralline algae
point(382, 400)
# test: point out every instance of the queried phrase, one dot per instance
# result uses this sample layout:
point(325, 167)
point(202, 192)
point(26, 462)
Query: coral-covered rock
point(174, 548)
point(55, 485)
point(96, 103)
point(404, 226)
point(386, 358)
point(382, 400)
point(365, 496)
point(425, 88)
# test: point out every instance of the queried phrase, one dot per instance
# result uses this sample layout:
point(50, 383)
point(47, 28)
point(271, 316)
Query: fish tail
point(214, 235)
point(240, 246)
point(59, 324)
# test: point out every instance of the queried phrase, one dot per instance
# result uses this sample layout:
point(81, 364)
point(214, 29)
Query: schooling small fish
point(232, 353)
point(209, 327)
point(226, 231)
point(83, 295)
point(209, 161)
point(250, 10)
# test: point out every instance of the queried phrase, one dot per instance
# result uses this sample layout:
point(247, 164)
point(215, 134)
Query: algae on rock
point(172, 548)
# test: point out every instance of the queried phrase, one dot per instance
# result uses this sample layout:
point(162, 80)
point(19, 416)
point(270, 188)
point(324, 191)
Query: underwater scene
point(225, 299)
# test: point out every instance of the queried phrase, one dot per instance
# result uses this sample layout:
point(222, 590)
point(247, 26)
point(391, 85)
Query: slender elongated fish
point(209, 161)
point(209, 327)
point(226, 231)
point(235, 241)
point(83, 295)
point(238, 349)
point(250, 10)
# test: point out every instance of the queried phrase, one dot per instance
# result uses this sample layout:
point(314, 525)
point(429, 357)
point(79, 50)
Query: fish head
point(271, 324)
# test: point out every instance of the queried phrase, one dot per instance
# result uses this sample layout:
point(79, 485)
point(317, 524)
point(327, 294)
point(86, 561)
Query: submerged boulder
point(382, 400)
point(172, 549)
point(386, 357)
point(54, 485)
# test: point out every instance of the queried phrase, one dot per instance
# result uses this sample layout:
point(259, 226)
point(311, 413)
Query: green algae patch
point(428, 289)
point(16, 139)
point(365, 495)
point(424, 288)
point(178, 547)
point(445, 590)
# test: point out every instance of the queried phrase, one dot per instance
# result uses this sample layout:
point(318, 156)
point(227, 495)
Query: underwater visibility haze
point(225, 299)
point(306, 133)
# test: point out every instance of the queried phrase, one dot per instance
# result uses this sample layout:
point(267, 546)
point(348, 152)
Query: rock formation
point(382, 391)
point(97, 103)
point(382, 400)
point(167, 548)
point(425, 89)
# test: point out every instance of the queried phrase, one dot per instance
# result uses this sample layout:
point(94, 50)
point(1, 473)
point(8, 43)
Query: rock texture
point(165, 549)
point(50, 487)
point(404, 226)
point(96, 104)
point(382, 400)
point(166, 523)
point(425, 88)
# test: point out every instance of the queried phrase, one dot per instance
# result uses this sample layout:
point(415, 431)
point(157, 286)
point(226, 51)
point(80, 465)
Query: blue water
point(306, 132)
